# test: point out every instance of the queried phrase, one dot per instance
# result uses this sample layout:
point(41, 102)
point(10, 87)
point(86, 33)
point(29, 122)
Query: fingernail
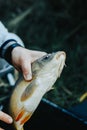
point(28, 76)
point(10, 120)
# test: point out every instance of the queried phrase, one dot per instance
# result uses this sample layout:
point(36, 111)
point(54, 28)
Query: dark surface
point(50, 116)
point(80, 111)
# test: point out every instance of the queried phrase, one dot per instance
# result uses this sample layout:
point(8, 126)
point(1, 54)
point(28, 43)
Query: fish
point(27, 95)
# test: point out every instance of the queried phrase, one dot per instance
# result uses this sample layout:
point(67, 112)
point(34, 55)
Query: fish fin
point(28, 91)
point(26, 118)
point(20, 114)
point(50, 89)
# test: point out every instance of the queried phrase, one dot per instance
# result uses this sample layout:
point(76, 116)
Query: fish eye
point(46, 57)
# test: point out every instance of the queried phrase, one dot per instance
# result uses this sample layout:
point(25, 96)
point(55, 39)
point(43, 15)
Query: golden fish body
point(27, 95)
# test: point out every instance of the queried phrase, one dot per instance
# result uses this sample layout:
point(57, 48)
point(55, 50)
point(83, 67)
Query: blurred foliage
point(54, 25)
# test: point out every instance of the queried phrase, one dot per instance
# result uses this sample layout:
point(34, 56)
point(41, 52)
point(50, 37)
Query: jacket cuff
point(6, 49)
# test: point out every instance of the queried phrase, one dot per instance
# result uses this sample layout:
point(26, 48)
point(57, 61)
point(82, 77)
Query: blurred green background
point(54, 25)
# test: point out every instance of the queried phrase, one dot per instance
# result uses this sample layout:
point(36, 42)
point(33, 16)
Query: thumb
point(26, 70)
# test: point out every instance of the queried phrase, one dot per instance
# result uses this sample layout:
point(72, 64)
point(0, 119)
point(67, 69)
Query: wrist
point(6, 49)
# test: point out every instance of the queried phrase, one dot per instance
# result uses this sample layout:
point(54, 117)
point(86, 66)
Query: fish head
point(49, 65)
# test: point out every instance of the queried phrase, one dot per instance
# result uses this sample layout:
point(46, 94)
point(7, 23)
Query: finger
point(5, 117)
point(26, 69)
point(26, 65)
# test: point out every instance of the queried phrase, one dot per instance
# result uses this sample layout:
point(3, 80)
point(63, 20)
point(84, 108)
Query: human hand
point(6, 118)
point(22, 59)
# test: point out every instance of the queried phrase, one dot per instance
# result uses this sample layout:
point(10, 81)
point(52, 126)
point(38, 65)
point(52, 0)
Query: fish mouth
point(60, 57)
point(61, 54)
